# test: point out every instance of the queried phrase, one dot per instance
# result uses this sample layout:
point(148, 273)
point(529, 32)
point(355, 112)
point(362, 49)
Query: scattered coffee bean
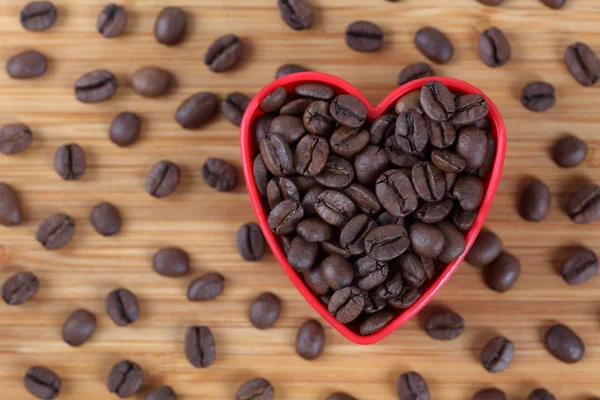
point(255, 389)
point(170, 26)
point(288, 69)
point(200, 346)
point(162, 393)
point(569, 152)
point(489, 394)
point(556, 4)
point(111, 21)
point(106, 219)
point(55, 231)
point(38, 15)
point(14, 138)
point(583, 63)
point(122, 307)
point(564, 344)
point(207, 287)
point(69, 162)
point(152, 81)
point(265, 310)
point(494, 47)
point(234, 106)
point(19, 288)
point(535, 201)
point(437, 101)
point(541, 394)
point(250, 242)
point(42, 383)
point(125, 379)
point(415, 71)
point(125, 129)
point(224, 54)
point(364, 36)
point(297, 14)
point(580, 267)
point(434, 45)
point(302, 254)
point(412, 386)
point(78, 328)
point(375, 322)
point(284, 218)
point(486, 248)
point(197, 110)
point(10, 207)
point(445, 326)
point(219, 174)
point(584, 206)
point(96, 86)
point(26, 65)
point(502, 273)
point(162, 179)
point(538, 96)
point(310, 340)
point(497, 354)
point(171, 261)
point(346, 304)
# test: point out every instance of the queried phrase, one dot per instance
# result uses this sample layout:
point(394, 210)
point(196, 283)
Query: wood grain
point(205, 222)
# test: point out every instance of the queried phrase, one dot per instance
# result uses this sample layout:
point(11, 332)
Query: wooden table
point(205, 222)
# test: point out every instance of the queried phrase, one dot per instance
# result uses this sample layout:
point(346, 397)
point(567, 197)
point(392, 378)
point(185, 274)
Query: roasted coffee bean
point(348, 111)
point(538, 96)
point(491, 2)
point(414, 71)
point(315, 230)
point(14, 138)
point(69, 162)
point(347, 142)
point(411, 132)
point(490, 157)
point(125, 379)
point(455, 242)
point(441, 134)
point(363, 198)
point(448, 161)
point(535, 201)
point(152, 81)
point(337, 272)
point(556, 4)
point(200, 347)
point(396, 193)
point(580, 267)
point(352, 235)
point(386, 242)
point(489, 394)
point(96, 86)
point(502, 273)
point(163, 179)
point(472, 146)
point(315, 91)
point(409, 102)
point(78, 327)
point(38, 15)
point(42, 383)
point(170, 26)
point(364, 36)
point(497, 354)
point(370, 163)
point(569, 152)
point(374, 303)
point(261, 174)
point(340, 396)
point(224, 54)
point(280, 189)
point(334, 247)
point(309, 200)
point(171, 261)
point(582, 63)
point(162, 393)
point(375, 322)
point(111, 21)
point(426, 240)
point(434, 212)
point(470, 108)
point(288, 69)
point(391, 288)
point(434, 45)
point(106, 219)
point(55, 231)
point(412, 269)
point(315, 282)
point(26, 65)
point(431, 267)
point(541, 394)
point(310, 340)
point(468, 190)
point(494, 47)
point(284, 218)
point(318, 119)
point(437, 101)
point(564, 344)
point(10, 206)
point(285, 243)
point(584, 206)
point(347, 304)
point(122, 307)
point(382, 128)
point(19, 288)
point(297, 14)
point(302, 254)
point(370, 273)
point(445, 325)
point(277, 155)
point(197, 110)
point(234, 106)
point(399, 157)
point(264, 310)
point(428, 181)
point(337, 173)
point(274, 100)
point(125, 129)
point(288, 127)
point(250, 242)
point(295, 107)
point(464, 220)
point(219, 174)
point(304, 183)
point(206, 287)
point(255, 389)
point(412, 386)
point(486, 248)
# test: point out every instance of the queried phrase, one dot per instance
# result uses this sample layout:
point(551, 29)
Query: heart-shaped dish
point(248, 152)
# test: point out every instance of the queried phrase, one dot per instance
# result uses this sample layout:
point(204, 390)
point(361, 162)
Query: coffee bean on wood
point(584, 206)
point(27, 65)
point(497, 354)
point(122, 307)
point(19, 288)
point(200, 348)
point(219, 174)
point(255, 389)
point(206, 287)
point(564, 344)
point(162, 179)
point(310, 340)
point(583, 63)
point(96, 86)
point(265, 310)
point(125, 379)
point(78, 327)
point(171, 262)
point(14, 138)
point(111, 21)
point(42, 382)
point(125, 129)
point(580, 267)
point(297, 14)
point(224, 53)
point(38, 15)
point(197, 110)
point(250, 242)
point(170, 26)
point(152, 81)
point(11, 213)
point(55, 231)
point(569, 152)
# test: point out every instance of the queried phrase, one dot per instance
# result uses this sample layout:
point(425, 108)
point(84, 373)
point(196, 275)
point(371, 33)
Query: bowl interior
point(249, 150)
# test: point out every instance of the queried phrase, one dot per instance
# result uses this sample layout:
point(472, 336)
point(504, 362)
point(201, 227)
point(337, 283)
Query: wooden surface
point(205, 222)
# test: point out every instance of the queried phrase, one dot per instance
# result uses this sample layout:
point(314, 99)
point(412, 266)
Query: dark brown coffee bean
point(538, 96)
point(582, 63)
point(434, 45)
point(409, 102)
point(42, 383)
point(297, 14)
point(352, 235)
point(427, 240)
point(497, 354)
point(580, 267)
point(428, 181)
point(337, 272)
point(448, 161)
point(311, 155)
point(437, 101)
point(274, 100)
point(315, 230)
point(14, 138)
point(288, 69)
point(406, 298)
point(364, 36)
point(445, 326)
point(304, 183)
point(370, 163)
point(318, 119)
point(170, 26)
point(302, 254)
point(564, 344)
point(38, 15)
point(152, 81)
point(197, 110)
point(375, 322)
point(468, 190)
point(382, 128)
point(310, 340)
point(295, 107)
point(207, 287)
point(111, 21)
point(125, 129)
point(347, 304)
point(472, 146)
point(412, 269)
point(470, 108)
point(486, 248)
point(502, 273)
point(555, 4)
point(277, 155)
point(96, 86)
point(10, 206)
point(455, 242)
point(234, 106)
point(122, 307)
point(69, 162)
point(261, 174)
point(386, 242)
point(284, 218)
point(219, 174)
point(224, 54)
point(364, 199)
point(309, 200)
point(491, 2)
point(569, 152)
point(489, 394)
point(26, 65)
point(464, 220)
point(391, 288)
point(280, 189)
point(412, 386)
point(106, 219)
point(494, 47)
point(162, 393)
point(315, 91)
point(370, 273)
point(255, 389)
point(373, 302)
point(163, 179)
point(285, 242)
point(200, 347)
point(441, 134)
point(55, 231)
point(348, 111)
point(315, 282)
point(125, 379)
point(337, 173)
point(335, 208)
point(411, 132)
point(535, 201)
point(19, 288)
point(584, 206)
point(414, 71)
point(78, 327)
point(434, 212)
point(396, 193)
point(250, 242)
point(264, 310)
point(347, 142)
point(541, 394)
point(340, 396)
point(171, 262)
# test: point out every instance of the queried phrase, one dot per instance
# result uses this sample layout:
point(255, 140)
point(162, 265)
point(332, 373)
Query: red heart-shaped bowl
point(249, 151)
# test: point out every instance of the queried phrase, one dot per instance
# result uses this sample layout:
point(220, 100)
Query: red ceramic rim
point(248, 152)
